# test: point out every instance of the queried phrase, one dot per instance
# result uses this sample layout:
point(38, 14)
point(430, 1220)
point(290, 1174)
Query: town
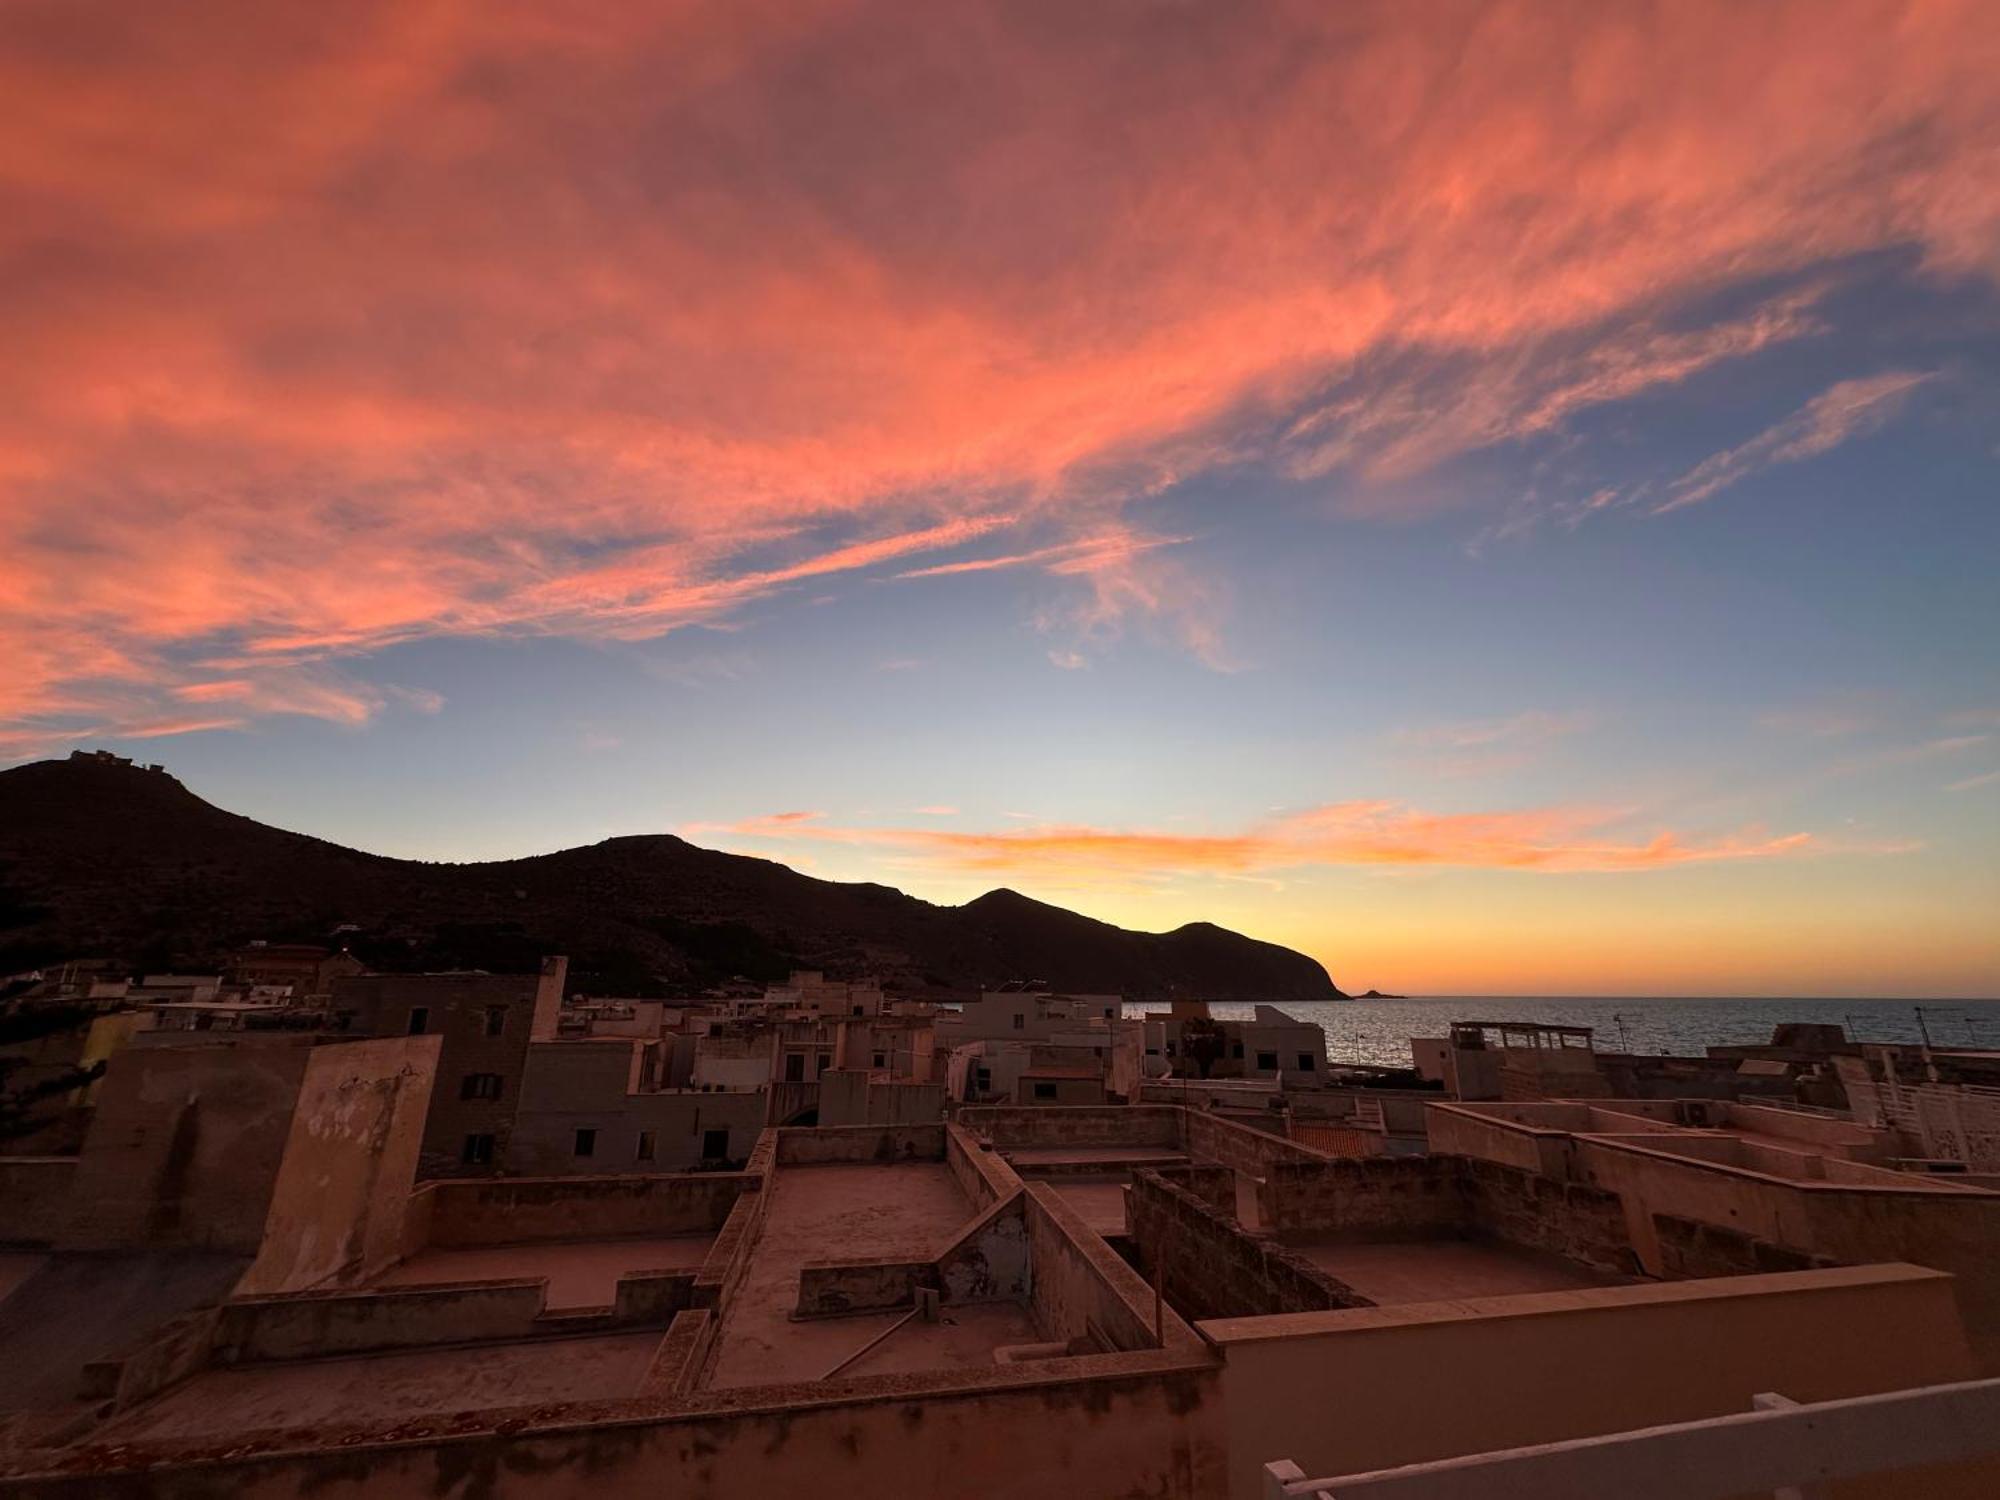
point(295, 1228)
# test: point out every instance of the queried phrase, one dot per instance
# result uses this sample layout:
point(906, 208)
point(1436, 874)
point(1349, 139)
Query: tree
point(1202, 1042)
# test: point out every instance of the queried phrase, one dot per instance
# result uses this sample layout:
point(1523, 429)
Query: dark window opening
point(1045, 1091)
point(586, 1142)
point(420, 1019)
point(1305, 1062)
point(477, 1151)
point(825, 1062)
point(714, 1145)
point(881, 1059)
point(1267, 1062)
point(496, 1020)
point(1236, 1050)
point(1020, 1021)
point(479, 1086)
point(795, 1067)
point(646, 1147)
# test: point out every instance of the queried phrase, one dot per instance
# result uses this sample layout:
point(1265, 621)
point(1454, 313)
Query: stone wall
point(1211, 1268)
point(861, 1143)
point(980, 1173)
point(1014, 1127)
point(1572, 1219)
point(524, 1210)
point(1690, 1249)
point(1255, 1152)
point(1085, 1295)
point(1365, 1198)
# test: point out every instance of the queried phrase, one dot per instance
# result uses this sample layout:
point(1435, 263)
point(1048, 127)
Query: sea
point(1378, 1032)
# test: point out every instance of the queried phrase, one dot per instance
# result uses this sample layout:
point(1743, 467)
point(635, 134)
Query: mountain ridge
point(115, 860)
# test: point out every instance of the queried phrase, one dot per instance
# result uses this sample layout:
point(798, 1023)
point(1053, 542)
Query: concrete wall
point(589, 1085)
point(1084, 1291)
point(185, 1149)
point(1122, 1426)
point(1345, 1392)
point(1253, 1152)
point(37, 1194)
point(1210, 1268)
point(350, 1159)
point(980, 1172)
point(524, 1210)
point(456, 1007)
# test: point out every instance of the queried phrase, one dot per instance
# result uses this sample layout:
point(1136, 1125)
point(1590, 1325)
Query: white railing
point(1781, 1448)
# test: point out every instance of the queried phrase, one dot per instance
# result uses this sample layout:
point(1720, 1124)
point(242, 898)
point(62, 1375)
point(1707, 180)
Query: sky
point(1504, 498)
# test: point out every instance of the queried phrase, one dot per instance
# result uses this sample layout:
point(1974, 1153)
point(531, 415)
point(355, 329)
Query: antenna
point(1922, 1026)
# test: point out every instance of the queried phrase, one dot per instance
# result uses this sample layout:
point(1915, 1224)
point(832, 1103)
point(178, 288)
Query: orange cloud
point(331, 327)
point(1551, 840)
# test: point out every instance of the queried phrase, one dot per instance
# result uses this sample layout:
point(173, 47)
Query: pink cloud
point(1365, 833)
point(331, 327)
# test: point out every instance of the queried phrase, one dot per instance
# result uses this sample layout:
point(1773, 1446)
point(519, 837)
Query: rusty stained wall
point(349, 1163)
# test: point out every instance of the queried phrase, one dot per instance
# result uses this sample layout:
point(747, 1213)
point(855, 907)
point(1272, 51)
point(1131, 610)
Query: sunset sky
point(1504, 498)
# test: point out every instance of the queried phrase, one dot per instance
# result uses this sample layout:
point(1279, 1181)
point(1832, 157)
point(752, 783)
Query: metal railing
point(1783, 1448)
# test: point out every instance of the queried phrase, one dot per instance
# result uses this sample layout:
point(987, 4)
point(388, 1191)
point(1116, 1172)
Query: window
point(1107, 1012)
point(983, 1080)
point(1170, 1047)
point(420, 1019)
point(1236, 1050)
point(881, 1059)
point(477, 1151)
point(858, 1011)
point(479, 1086)
point(586, 1143)
point(646, 1146)
point(1045, 1091)
point(795, 1067)
point(1020, 1021)
point(496, 1020)
point(825, 1062)
point(1305, 1062)
point(1267, 1062)
point(714, 1145)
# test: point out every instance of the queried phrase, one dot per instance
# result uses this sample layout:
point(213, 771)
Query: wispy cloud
point(1358, 833)
point(1850, 409)
point(1972, 783)
point(615, 370)
point(1476, 747)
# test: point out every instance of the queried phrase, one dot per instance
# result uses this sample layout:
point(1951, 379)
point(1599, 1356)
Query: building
point(485, 1023)
point(1270, 1047)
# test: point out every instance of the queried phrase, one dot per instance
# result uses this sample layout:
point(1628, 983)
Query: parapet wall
point(1209, 1267)
point(1018, 1127)
point(980, 1172)
point(808, 1145)
point(36, 1195)
point(525, 1210)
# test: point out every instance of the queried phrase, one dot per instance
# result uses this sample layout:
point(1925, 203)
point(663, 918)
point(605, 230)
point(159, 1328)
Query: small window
point(479, 1086)
point(1170, 1049)
point(715, 1145)
point(496, 1020)
point(1236, 1050)
point(1107, 1012)
point(420, 1019)
point(1020, 1021)
point(983, 1080)
point(586, 1143)
point(646, 1145)
point(825, 1062)
point(795, 1067)
point(1267, 1062)
point(1305, 1062)
point(1045, 1091)
point(477, 1151)
point(858, 1011)
point(881, 1059)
